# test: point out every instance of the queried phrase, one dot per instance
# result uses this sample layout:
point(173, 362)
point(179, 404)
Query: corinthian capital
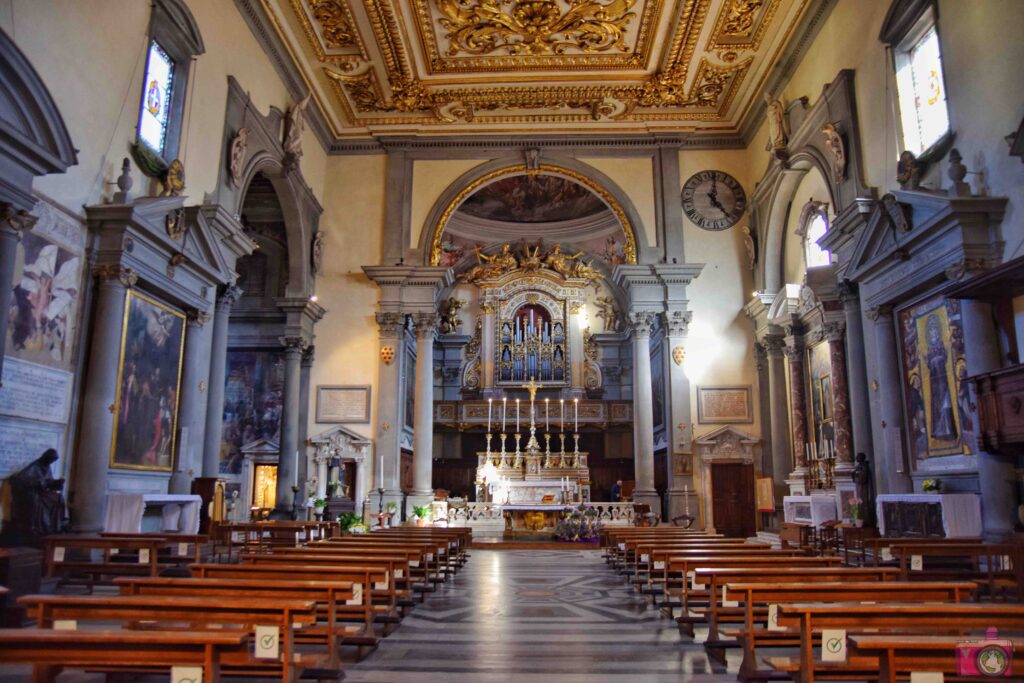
point(390, 324)
point(14, 220)
point(111, 271)
point(293, 344)
point(230, 296)
point(425, 324)
point(835, 331)
point(641, 322)
point(197, 318)
point(879, 313)
point(678, 323)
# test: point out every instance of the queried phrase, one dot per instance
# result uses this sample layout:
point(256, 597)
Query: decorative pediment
point(785, 306)
point(726, 443)
point(261, 451)
point(340, 442)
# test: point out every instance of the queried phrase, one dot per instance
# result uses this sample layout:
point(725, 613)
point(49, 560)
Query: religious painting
point(533, 199)
point(819, 375)
point(724, 405)
point(410, 388)
point(683, 464)
point(44, 301)
point(658, 388)
point(940, 418)
point(148, 382)
point(253, 391)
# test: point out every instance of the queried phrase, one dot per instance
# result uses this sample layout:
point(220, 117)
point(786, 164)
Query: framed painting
point(658, 387)
point(724, 404)
point(683, 464)
point(940, 418)
point(253, 399)
point(336, 403)
point(148, 382)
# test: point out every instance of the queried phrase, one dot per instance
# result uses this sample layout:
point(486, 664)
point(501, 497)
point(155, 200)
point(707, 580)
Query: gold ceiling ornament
point(335, 22)
point(529, 259)
point(669, 89)
point(740, 19)
point(337, 40)
point(629, 248)
point(535, 27)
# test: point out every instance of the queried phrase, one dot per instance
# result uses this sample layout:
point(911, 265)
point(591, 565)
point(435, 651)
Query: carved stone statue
point(316, 254)
point(777, 138)
point(908, 171)
point(837, 148)
point(37, 505)
point(606, 312)
point(864, 479)
point(294, 125)
point(239, 146)
point(751, 246)
point(450, 320)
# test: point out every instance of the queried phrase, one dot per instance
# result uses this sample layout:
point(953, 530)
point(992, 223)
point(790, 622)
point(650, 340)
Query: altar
point(529, 519)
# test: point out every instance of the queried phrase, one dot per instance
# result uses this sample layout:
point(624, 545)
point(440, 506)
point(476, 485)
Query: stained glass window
point(154, 113)
point(922, 93)
point(816, 229)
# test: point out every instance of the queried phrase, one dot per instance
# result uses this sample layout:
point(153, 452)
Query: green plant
point(422, 511)
point(320, 503)
point(348, 520)
point(854, 506)
point(931, 485)
point(391, 507)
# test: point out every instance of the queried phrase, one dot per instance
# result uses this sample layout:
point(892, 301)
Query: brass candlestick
point(504, 462)
point(576, 450)
point(488, 437)
point(561, 457)
point(519, 454)
point(547, 450)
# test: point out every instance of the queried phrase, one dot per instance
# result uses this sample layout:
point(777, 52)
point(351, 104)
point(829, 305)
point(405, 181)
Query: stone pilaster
point(643, 451)
point(287, 463)
point(13, 222)
point(857, 377)
point(389, 385)
point(798, 413)
point(423, 419)
point(218, 371)
point(782, 459)
point(88, 502)
point(835, 333)
point(680, 433)
point(192, 401)
point(891, 463)
point(308, 356)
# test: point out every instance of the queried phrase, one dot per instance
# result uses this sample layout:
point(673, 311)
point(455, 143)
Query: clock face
point(713, 200)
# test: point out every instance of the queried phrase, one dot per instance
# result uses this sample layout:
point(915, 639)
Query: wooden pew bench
point(614, 541)
point(118, 651)
point(425, 561)
point(638, 560)
point(191, 614)
point(95, 560)
point(996, 567)
point(653, 559)
point(181, 548)
point(899, 618)
point(900, 655)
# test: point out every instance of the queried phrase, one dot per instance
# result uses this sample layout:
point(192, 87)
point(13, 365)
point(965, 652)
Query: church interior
point(511, 340)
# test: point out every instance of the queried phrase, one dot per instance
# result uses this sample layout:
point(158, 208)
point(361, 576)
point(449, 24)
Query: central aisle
point(535, 615)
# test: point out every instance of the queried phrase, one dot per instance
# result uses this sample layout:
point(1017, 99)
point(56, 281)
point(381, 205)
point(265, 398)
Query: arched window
point(812, 227)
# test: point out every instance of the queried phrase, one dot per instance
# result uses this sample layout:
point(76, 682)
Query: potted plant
point(422, 513)
point(351, 523)
point(855, 507)
point(931, 486)
point(391, 509)
point(318, 507)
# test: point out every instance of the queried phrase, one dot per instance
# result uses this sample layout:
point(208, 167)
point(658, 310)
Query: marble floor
point(539, 616)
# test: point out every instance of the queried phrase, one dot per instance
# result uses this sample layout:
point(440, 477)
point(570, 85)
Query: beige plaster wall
point(635, 176)
point(719, 350)
point(92, 55)
point(353, 224)
point(430, 178)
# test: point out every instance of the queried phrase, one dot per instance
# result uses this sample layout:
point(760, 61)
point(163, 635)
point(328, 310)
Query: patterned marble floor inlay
point(539, 616)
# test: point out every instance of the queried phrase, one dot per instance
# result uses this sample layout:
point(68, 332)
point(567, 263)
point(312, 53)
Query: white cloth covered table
point(961, 512)
point(180, 513)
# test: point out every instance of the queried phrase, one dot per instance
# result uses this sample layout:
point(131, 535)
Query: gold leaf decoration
point(334, 22)
point(535, 27)
point(741, 17)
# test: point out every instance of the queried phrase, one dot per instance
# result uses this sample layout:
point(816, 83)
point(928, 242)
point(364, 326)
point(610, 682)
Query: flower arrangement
point(349, 521)
point(854, 506)
point(578, 523)
point(931, 485)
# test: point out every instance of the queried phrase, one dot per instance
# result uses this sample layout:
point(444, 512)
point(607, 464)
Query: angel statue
point(750, 246)
point(563, 264)
point(294, 125)
point(606, 312)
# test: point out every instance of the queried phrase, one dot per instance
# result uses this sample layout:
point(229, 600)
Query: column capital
point(678, 322)
point(641, 323)
point(112, 271)
point(229, 296)
point(293, 344)
point(773, 344)
point(834, 331)
point(880, 314)
point(760, 356)
point(390, 324)
point(196, 318)
point(794, 351)
point(308, 355)
point(848, 292)
point(15, 221)
point(425, 324)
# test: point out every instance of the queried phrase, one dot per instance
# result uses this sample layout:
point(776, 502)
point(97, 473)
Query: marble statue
point(777, 137)
point(317, 252)
point(908, 171)
point(750, 246)
point(37, 504)
point(294, 126)
point(606, 312)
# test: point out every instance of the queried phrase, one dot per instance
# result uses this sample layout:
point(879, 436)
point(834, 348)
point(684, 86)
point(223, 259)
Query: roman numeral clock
point(713, 200)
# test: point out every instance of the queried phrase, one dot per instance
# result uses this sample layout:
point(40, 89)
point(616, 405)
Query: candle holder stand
point(519, 454)
point(576, 450)
point(504, 461)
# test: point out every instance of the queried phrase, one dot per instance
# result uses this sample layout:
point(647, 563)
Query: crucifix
point(532, 447)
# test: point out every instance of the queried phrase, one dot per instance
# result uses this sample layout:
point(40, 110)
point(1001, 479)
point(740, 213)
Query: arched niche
point(613, 197)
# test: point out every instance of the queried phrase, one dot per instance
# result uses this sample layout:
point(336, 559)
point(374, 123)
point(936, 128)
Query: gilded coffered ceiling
point(490, 66)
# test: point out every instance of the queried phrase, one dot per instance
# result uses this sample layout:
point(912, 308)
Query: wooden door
point(732, 499)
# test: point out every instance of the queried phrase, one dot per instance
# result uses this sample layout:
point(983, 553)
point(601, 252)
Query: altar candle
point(561, 421)
point(576, 405)
point(517, 416)
point(504, 404)
point(490, 401)
point(380, 472)
point(547, 415)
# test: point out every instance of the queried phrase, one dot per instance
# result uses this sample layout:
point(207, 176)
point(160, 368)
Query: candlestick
point(561, 457)
point(547, 449)
point(504, 404)
point(547, 415)
point(489, 406)
point(488, 435)
point(561, 420)
point(517, 414)
point(380, 471)
point(576, 405)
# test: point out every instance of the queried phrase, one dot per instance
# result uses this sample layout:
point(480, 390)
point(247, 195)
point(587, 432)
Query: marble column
point(288, 458)
point(997, 478)
point(192, 400)
point(857, 376)
point(835, 333)
point(643, 416)
point(389, 396)
point(423, 418)
point(576, 353)
point(13, 222)
point(891, 465)
point(680, 432)
point(307, 365)
point(218, 376)
point(88, 495)
point(488, 332)
point(798, 406)
point(782, 460)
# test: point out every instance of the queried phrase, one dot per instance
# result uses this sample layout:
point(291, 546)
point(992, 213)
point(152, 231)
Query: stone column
point(13, 222)
point(782, 460)
point(835, 333)
point(798, 407)
point(423, 420)
point(389, 396)
point(643, 450)
point(218, 372)
point(680, 433)
point(576, 354)
point(307, 365)
point(88, 496)
point(287, 462)
point(321, 473)
point(192, 400)
point(891, 463)
point(997, 478)
point(488, 342)
point(857, 376)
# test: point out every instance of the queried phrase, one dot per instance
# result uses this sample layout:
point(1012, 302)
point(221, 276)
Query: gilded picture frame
point(144, 435)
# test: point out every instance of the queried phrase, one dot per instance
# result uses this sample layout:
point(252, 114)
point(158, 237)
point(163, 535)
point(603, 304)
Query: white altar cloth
point(961, 512)
point(125, 510)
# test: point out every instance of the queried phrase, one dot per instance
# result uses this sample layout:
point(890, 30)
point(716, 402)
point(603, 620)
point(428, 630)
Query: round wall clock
point(713, 200)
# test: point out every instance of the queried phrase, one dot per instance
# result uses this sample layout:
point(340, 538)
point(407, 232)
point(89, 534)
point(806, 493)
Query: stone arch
point(604, 187)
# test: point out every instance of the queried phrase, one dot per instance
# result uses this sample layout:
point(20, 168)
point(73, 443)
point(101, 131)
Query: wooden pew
point(359, 609)
point(196, 612)
point(652, 559)
point(425, 559)
point(899, 618)
point(982, 562)
point(117, 651)
point(754, 600)
point(73, 558)
point(330, 596)
point(178, 543)
point(899, 655)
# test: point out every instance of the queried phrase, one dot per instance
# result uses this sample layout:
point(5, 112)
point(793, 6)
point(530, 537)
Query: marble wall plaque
point(24, 441)
point(719, 405)
point(343, 404)
point(35, 391)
